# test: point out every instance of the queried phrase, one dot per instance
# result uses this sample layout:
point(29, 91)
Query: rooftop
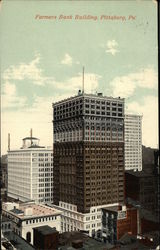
point(66, 239)
point(36, 146)
point(139, 174)
point(116, 208)
point(30, 210)
point(112, 208)
point(31, 148)
point(30, 138)
point(45, 230)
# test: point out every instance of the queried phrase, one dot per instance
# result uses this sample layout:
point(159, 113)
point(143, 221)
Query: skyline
point(42, 62)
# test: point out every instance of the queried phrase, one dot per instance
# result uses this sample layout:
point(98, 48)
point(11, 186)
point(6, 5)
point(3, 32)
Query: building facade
point(88, 154)
point(118, 220)
point(26, 216)
point(30, 172)
point(133, 142)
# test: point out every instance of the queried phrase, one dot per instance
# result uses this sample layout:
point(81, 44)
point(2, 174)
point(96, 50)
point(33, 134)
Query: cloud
point(30, 71)
point(125, 86)
point(9, 97)
point(34, 73)
point(75, 83)
point(149, 111)
point(155, 1)
point(18, 124)
point(67, 60)
point(111, 47)
point(38, 117)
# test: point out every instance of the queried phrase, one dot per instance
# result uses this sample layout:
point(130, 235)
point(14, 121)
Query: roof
point(140, 174)
point(66, 239)
point(128, 241)
point(112, 208)
point(36, 146)
point(30, 138)
point(45, 230)
point(17, 211)
point(30, 149)
point(37, 210)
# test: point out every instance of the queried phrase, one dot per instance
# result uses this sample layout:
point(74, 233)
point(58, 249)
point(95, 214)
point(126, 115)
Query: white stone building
point(72, 220)
point(30, 172)
point(133, 142)
point(26, 216)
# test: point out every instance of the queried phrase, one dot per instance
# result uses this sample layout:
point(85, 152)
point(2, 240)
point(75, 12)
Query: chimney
point(31, 136)
point(9, 142)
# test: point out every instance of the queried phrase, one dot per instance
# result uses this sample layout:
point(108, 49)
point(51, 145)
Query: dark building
point(88, 151)
point(45, 237)
point(117, 221)
point(148, 155)
point(4, 177)
point(142, 187)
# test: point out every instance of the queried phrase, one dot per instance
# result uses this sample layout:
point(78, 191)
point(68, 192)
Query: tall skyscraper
point(88, 158)
point(133, 142)
point(30, 172)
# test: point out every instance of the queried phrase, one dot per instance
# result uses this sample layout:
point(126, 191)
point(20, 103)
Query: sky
point(44, 46)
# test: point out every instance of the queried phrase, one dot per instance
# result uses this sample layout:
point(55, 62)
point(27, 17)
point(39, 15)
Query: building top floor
point(89, 98)
point(39, 151)
point(88, 107)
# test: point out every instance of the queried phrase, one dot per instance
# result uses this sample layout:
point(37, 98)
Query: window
point(28, 237)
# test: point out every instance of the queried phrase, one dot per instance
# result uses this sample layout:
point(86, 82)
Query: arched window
point(28, 237)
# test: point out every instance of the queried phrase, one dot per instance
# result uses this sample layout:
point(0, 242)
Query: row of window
point(51, 218)
point(93, 225)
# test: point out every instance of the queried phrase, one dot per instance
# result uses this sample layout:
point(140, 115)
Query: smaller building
point(30, 172)
point(143, 188)
point(4, 170)
point(4, 177)
point(118, 220)
point(45, 237)
point(6, 224)
point(26, 216)
point(133, 142)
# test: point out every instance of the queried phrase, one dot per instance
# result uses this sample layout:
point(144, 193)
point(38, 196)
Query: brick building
point(117, 221)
